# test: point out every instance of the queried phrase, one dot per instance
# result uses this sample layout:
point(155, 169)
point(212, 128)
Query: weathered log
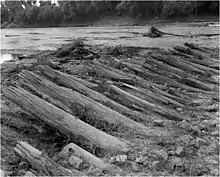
point(197, 84)
point(82, 154)
point(58, 76)
point(118, 75)
point(173, 83)
point(154, 32)
point(59, 119)
point(154, 95)
point(78, 101)
point(197, 58)
point(71, 82)
point(166, 67)
point(168, 113)
point(40, 161)
point(202, 49)
point(178, 63)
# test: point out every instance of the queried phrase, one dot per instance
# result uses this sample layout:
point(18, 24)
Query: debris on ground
point(155, 33)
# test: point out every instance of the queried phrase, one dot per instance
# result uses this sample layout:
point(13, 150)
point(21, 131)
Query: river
point(49, 38)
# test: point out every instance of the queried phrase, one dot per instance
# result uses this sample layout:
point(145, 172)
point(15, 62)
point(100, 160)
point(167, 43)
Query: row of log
point(50, 166)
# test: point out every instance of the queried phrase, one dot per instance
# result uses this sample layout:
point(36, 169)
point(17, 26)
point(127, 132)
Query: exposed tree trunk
point(83, 154)
point(71, 82)
point(145, 105)
point(42, 162)
point(79, 102)
point(60, 119)
point(197, 58)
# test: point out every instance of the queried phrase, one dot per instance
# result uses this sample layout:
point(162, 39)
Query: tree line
point(28, 13)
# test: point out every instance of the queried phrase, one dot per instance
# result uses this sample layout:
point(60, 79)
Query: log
point(173, 83)
point(157, 97)
point(168, 113)
point(154, 32)
point(58, 76)
point(197, 84)
point(201, 49)
point(40, 161)
point(178, 63)
point(59, 119)
point(71, 82)
point(79, 102)
point(82, 154)
point(118, 75)
point(200, 64)
point(196, 57)
point(166, 67)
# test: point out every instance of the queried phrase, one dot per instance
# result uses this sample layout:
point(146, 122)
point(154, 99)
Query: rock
point(200, 142)
point(140, 159)
point(156, 165)
point(180, 151)
point(23, 165)
point(195, 129)
point(135, 167)
point(211, 160)
point(131, 156)
point(158, 123)
point(171, 153)
point(176, 163)
point(2, 173)
point(162, 153)
point(13, 160)
point(215, 133)
point(29, 174)
point(185, 139)
point(75, 161)
point(112, 160)
point(125, 150)
point(184, 124)
point(121, 158)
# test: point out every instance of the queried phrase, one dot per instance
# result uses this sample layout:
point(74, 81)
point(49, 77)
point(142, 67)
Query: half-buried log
point(59, 119)
point(40, 161)
point(79, 102)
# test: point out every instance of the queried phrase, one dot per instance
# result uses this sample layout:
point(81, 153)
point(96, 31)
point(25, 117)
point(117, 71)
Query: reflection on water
point(6, 57)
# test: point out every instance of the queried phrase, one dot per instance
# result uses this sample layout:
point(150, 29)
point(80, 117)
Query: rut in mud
point(85, 110)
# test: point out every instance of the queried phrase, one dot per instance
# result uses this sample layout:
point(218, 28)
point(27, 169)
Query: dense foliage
point(28, 13)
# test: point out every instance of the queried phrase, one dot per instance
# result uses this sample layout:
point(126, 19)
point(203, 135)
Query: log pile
point(129, 94)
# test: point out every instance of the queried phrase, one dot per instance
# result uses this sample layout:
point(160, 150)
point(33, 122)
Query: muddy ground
point(185, 145)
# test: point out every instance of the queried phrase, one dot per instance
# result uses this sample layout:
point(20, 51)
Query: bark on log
point(60, 119)
point(168, 113)
point(201, 49)
point(82, 154)
point(118, 75)
point(71, 82)
point(166, 67)
point(42, 162)
point(196, 57)
point(173, 83)
point(178, 63)
point(157, 97)
point(76, 101)
point(65, 78)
